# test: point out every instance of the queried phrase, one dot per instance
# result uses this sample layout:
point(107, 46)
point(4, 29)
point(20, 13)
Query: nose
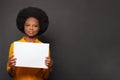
point(31, 27)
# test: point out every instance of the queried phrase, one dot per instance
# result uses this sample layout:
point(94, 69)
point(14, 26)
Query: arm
point(46, 72)
point(11, 64)
point(12, 72)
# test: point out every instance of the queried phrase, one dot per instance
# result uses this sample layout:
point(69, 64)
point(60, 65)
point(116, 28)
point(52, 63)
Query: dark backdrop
point(84, 37)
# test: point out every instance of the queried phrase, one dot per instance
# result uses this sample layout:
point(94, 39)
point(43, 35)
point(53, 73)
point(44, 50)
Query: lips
point(30, 32)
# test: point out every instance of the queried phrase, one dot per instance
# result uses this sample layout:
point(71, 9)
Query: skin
point(31, 28)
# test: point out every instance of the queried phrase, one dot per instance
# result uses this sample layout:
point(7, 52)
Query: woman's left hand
point(48, 62)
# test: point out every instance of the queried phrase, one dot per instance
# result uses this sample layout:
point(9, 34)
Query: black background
point(84, 37)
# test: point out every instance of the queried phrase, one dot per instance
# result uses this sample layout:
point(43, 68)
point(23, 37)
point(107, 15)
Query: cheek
point(37, 30)
point(25, 29)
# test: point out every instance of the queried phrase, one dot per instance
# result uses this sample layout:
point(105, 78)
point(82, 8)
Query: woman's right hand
point(12, 62)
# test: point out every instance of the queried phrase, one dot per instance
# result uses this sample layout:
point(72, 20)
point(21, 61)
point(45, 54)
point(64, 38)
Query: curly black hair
point(37, 13)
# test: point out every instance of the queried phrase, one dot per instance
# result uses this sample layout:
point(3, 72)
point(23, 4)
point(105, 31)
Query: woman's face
point(31, 27)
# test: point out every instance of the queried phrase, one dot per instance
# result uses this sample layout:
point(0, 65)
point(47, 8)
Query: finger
point(48, 58)
point(11, 61)
point(12, 64)
point(49, 64)
point(12, 58)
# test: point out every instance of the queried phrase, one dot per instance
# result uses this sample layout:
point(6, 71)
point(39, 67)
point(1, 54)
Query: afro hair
point(37, 13)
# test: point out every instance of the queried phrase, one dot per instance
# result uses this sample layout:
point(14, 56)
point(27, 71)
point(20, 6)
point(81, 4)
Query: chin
point(31, 36)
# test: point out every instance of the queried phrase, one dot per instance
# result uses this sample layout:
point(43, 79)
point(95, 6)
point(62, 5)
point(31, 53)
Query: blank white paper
point(31, 54)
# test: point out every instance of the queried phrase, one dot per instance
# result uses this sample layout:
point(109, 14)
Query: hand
point(12, 62)
point(48, 62)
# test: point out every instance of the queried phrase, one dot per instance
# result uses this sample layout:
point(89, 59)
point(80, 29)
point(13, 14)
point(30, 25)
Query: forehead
point(31, 19)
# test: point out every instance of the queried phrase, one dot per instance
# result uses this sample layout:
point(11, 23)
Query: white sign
point(31, 54)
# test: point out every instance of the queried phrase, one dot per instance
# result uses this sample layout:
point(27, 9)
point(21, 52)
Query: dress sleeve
point(10, 54)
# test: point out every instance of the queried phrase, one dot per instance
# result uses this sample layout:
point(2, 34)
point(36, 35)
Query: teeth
point(31, 32)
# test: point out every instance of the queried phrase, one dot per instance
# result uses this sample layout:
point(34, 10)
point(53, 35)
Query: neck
point(29, 39)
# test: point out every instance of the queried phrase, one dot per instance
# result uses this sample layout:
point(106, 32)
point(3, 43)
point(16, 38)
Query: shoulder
point(19, 40)
point(38, 41)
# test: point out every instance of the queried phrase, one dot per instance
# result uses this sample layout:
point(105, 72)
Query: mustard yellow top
point(23, 73)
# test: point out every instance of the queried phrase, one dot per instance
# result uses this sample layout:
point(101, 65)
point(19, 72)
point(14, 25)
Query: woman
point(32, 22)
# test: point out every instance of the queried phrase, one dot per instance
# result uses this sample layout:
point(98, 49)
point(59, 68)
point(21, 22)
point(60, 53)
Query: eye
point(36, 25)
point(27, 25)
